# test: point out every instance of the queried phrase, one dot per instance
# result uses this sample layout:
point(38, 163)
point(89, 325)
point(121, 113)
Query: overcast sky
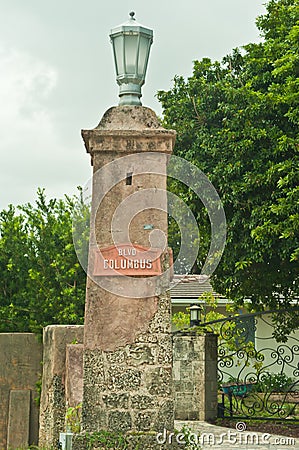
point(57, 76)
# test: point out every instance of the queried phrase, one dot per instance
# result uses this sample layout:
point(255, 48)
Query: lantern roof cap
point(131, 25)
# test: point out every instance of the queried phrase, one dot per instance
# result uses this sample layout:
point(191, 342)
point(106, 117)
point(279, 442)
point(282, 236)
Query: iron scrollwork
point(258, 377)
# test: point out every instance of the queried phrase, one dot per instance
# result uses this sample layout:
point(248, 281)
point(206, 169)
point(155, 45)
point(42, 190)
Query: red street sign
point(127, 259)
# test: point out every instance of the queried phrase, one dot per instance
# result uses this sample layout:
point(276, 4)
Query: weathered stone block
point(159, 381)
point(120, 421)
point(94, 418)
point(139, 401)
point(159, 324)
point(55, 340)
point(188, 386)
point(120, 401)
point(165, 417)
point(182, 348)
point(211, 370)
point(141, 354)
point(117, 357)
point(176, 371)
point(144, 420)
point(74, 374)
point(94, 373)
point(123, 379)
point(210, 347)
point(92, 394)
point(165, 349)
point(18, 419)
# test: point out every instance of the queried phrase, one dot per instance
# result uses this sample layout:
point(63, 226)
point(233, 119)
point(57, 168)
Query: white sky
point(57, 76)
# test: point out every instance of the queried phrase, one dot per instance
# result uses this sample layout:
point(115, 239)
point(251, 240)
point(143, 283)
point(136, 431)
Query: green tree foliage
point(41, 280)
point(238, 121)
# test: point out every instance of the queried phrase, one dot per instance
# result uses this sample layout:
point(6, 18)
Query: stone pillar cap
point(127, 117)
point(127, 122)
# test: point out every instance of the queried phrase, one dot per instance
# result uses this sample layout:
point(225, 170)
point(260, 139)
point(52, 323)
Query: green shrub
point(274, 382)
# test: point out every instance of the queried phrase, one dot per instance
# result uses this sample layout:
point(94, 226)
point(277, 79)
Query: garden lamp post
point(195, 313)
point(131, 44)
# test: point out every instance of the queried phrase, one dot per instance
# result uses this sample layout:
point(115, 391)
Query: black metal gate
point(258, 376)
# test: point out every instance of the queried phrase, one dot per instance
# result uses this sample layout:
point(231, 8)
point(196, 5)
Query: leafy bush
point(73, 418)
point(274, 382)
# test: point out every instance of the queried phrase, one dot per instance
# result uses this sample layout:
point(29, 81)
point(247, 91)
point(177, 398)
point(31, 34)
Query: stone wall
point(56, 339)
point(195, 376)
point(20, 369)
point(132, 385)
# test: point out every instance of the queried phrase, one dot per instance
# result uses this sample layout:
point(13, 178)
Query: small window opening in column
point(129, 178)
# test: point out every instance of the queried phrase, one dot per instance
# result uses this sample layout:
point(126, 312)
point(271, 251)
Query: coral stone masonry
point(127, 369)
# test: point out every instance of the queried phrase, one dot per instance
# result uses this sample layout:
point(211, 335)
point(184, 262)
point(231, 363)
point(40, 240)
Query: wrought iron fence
point(258, 376)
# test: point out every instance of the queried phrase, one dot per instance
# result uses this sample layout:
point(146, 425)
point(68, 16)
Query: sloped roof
point(191, 287)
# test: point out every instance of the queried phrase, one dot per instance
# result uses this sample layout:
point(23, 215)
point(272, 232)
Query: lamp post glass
point(195, 312)
point(131, 44)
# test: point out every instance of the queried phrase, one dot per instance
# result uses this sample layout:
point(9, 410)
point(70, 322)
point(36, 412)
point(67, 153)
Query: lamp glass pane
point(143, 54)
point(193, 314)
point(130, 52)
point(118, 51)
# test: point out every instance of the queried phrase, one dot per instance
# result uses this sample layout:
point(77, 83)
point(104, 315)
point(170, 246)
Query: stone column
point(127, 376)
point(195, 376)
point(53, 399)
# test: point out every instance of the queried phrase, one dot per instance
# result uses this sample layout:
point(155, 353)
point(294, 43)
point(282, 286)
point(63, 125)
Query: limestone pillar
point(127, 375)
point(195, 375)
